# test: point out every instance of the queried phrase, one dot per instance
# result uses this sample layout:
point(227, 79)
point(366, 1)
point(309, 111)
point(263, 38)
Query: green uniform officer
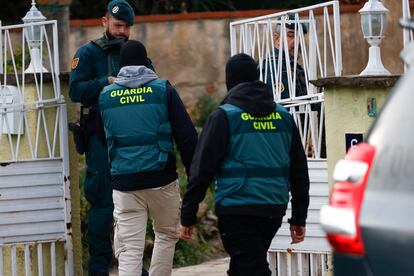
point(94, 67)
point(267, 65)
point(301, 88)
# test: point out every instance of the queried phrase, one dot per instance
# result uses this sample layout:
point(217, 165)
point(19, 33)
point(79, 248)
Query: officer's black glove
point(79, 136)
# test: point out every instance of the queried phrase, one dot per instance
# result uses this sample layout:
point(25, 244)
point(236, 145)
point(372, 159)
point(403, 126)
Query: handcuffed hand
point(111, 79)
point(297, 233)
point(186, 232)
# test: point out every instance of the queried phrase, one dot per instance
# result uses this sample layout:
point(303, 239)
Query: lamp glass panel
point(366, 24)
point(384, 22)
point(376, 25)
point(34, 34)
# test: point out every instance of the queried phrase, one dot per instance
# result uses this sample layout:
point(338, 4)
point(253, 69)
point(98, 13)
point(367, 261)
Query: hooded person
point(251, 146)
point(142, 117)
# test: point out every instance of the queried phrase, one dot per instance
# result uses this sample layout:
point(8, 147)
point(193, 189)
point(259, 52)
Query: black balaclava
point(240, 68)
point(133, 53)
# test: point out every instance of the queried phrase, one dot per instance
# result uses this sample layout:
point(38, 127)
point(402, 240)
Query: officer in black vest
point(94, 66)
point(252, 147)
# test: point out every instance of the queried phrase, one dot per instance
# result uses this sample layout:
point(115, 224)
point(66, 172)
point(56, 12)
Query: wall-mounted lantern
point(34, 39)
point(373, 23)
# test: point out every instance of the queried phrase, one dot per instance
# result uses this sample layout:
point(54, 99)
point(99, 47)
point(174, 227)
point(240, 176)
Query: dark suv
point(370, 218)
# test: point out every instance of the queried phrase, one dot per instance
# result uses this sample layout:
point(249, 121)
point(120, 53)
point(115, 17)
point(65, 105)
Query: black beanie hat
point(133, 53)
point(240, 68)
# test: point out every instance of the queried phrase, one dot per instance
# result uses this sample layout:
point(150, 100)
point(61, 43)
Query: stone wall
point(191, 54)
point(191, 51)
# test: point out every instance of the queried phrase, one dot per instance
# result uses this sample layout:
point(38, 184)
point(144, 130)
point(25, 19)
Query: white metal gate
point(35, 201)
point(408, 38)
point(320, 54)
point(406, 14)
point(311, 257)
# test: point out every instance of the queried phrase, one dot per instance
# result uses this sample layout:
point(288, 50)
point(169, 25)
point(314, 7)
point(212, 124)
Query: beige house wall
point(346, 112)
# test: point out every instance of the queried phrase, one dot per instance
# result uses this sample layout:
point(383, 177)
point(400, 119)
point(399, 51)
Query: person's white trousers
point(131, 214)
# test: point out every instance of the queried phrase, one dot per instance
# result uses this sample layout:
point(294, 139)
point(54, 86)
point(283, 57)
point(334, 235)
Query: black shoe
point(144, 272)
point(95, 273)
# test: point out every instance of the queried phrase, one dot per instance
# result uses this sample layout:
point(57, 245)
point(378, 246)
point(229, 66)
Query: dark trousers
point(247, 239)
point(98, 191)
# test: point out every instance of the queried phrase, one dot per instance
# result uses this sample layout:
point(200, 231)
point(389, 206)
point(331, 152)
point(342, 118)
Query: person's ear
point(104, 21)
point(276, 37)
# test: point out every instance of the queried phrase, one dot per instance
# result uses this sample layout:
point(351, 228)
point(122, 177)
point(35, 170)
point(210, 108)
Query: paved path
point(211, 268)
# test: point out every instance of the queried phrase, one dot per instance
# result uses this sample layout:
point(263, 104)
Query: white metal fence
point(35, 201)
point(300, 264)
point(408, 37)
point(311, 257)
point(316, 54)
point(406, 13)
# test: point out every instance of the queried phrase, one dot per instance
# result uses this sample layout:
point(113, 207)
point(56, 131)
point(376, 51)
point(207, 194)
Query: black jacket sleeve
point(299, 180)
point(209, 153)
point(184, 133)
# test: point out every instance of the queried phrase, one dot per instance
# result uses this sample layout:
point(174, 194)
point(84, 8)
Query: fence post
point(233, 42)
point(407, 34)
point(406, 14)
point(338, 46)
point(1, 50)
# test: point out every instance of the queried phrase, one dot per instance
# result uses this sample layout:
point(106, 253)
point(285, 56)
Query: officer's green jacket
point(268, 69)
point(91, 66)
point(253, 148)
point(90, 71)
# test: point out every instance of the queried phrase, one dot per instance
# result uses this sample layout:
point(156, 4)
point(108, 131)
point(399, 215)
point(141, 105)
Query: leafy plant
point(212, 5)
point(204, 106)
point(84, 206)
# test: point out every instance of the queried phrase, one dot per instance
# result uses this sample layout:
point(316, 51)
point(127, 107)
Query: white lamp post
point(34, 39)
point(374, 22)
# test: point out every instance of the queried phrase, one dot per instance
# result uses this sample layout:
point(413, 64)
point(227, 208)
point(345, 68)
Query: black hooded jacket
point(211, 149)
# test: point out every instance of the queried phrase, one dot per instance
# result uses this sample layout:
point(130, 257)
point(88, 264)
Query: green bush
point(204, 106)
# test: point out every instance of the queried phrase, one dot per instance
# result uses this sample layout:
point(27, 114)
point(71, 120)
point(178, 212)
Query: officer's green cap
point(122, 10)
point(291, 25)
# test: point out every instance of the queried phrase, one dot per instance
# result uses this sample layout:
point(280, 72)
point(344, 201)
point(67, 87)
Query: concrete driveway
point(211, 268)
